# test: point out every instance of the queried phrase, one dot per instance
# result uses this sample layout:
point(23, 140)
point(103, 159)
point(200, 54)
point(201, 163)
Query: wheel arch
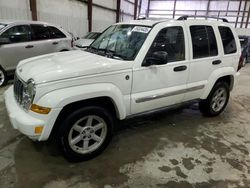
point(66, 99)
point(229, 79)
point(105, 102)
point(225, 74)
point(60, 98)
point(1, 67)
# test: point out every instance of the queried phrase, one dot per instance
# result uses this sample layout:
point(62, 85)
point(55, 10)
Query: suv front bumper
point(26, 122)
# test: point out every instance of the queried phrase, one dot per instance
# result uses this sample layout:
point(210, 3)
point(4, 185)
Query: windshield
point(2, 26)
point(120, 41)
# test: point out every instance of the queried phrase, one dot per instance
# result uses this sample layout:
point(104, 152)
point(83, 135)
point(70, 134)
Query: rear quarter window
point(228, 40)
point(55, 33)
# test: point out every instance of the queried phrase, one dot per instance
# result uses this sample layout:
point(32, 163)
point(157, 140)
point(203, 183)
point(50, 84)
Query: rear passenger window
point(170, 40)
point(213, 51)
point(40, 32)
point(55, 33)
point(203, 41)
point(228, 40)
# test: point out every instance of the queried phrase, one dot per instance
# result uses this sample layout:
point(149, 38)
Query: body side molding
point(153, 97)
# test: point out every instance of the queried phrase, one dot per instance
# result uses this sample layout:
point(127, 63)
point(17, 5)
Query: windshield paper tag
point(141, 29)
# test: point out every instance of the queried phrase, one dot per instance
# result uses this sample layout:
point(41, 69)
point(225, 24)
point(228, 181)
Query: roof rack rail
point(185, 17)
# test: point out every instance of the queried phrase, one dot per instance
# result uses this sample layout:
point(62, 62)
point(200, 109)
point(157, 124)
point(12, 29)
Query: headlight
point(28, 94)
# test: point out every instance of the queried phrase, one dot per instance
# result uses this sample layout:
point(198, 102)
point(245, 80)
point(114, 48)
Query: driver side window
point(169, 41)
point(17, 34)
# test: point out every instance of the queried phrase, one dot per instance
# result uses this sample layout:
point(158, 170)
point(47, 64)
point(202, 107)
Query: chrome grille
point(18, 89)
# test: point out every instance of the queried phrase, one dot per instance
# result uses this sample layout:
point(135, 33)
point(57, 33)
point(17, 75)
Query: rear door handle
point(216, 62)
point(180, 68)
point(29, 46)
point(55, 43)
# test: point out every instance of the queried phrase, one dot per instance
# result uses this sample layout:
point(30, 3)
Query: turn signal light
point(39, 129)
point(39, 109)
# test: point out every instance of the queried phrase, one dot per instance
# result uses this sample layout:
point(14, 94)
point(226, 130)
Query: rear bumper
point(236, 79)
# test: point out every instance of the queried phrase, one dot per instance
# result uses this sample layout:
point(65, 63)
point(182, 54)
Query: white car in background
point(85, 41)
point(24, 39)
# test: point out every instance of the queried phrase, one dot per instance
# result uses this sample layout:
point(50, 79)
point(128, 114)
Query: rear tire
point(216, 101)
point(3, 77)
point(85, 133)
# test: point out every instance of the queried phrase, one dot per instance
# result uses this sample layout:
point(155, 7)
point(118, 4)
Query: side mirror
point(4, 41)
point(157, 58)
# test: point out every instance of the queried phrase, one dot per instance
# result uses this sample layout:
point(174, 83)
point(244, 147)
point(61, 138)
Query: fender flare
point(217, 74)
point(62, 97)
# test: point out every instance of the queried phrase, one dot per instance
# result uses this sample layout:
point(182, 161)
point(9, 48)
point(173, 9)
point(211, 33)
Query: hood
point(83, 42)
point(63, 65)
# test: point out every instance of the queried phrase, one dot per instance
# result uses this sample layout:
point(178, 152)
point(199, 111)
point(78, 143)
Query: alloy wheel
point(219, 99)
point(87, 134)
point(2, 77)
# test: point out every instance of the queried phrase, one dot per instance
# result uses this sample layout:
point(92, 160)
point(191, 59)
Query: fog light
point(39, 129)
point(39, 109)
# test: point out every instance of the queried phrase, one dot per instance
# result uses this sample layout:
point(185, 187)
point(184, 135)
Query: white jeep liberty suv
point(133, 67)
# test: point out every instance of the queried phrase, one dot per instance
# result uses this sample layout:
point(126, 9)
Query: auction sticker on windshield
point(141, 29)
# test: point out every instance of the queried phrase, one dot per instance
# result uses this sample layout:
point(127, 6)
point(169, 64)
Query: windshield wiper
point(114, 55)
point(98, 51)
point(90, 48)
point(93, 49)
point(105, 52)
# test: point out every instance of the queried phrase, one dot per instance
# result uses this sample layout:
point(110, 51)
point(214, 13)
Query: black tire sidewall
point(210, 97)
point(69, 122)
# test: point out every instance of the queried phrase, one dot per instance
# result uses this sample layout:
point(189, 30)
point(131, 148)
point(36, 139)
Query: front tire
point(3, 77)
point(216, 101)
point(86, 133)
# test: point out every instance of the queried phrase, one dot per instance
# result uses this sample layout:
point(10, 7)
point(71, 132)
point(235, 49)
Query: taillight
point(240, 65)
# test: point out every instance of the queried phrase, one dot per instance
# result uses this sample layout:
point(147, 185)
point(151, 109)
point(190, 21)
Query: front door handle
point(180, 68)
point(55, 43)
point(216, 62)
point(29, 46)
